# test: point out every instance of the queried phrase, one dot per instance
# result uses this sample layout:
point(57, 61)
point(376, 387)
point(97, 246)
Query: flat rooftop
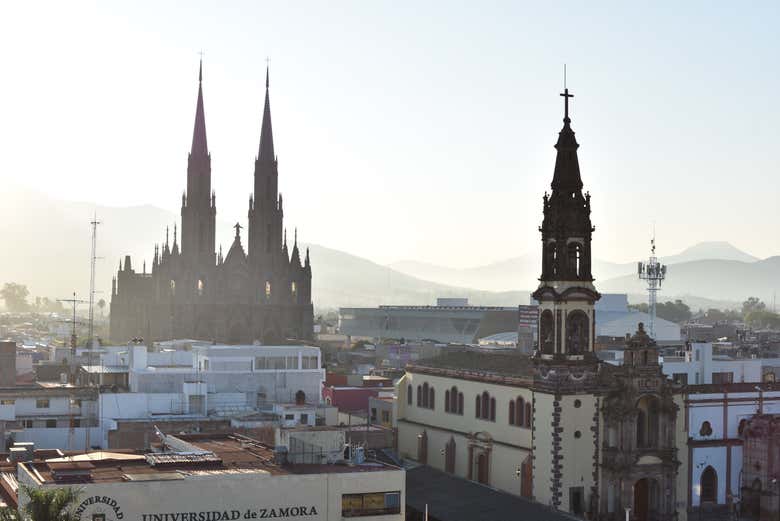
point(468, 363)
point(177, 458)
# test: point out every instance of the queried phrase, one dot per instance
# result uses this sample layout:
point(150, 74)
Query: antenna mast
point(73, 337)
point(654, 273)
point(94, 258)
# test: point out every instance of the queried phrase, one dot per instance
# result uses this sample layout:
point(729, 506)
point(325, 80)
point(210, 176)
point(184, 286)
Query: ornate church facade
point(559, 427)
point(193, 291)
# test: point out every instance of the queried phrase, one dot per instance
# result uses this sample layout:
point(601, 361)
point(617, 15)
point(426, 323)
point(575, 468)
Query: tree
point(763, 319)
point(47, 504)
point(752, 304)
point(677, 311)
point(15, 296)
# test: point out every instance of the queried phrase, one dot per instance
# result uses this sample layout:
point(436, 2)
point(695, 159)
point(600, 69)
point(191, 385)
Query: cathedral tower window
point(267, 290)
point(546, 332)
point(575, 258)
point(293, 289)
point(551, 259)
point(201, 287)
point(409, 394)
point(577, 333)
point(173, 287)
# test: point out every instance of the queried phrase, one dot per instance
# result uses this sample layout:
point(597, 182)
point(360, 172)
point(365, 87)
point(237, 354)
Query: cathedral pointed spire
point(295, 260)
point(566, 177)
point(307, 262)
point(199, 144)
point(266, 152)
point(175, 241)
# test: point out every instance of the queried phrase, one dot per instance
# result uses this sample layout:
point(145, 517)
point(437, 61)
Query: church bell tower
point(566, 294)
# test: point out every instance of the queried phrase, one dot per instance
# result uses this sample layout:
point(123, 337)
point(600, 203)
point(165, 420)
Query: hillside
point(49, 243)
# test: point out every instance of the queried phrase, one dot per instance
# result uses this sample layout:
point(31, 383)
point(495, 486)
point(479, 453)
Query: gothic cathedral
point(192, 291)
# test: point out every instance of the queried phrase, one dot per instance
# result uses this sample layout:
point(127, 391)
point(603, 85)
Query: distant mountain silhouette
point(522, 272)
point(47, 247)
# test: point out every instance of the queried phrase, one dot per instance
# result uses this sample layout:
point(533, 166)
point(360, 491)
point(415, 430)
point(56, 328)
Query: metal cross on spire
point(238, 228)
point(566, 96)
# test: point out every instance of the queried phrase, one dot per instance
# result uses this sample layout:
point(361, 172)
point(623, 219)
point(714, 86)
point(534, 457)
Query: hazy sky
point(419, 130)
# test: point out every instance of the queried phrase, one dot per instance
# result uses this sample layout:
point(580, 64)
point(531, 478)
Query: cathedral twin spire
point(199, 142)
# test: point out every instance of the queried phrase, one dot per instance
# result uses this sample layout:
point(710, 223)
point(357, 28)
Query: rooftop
point(476, 364)
point(448, 498)
point(177, 458)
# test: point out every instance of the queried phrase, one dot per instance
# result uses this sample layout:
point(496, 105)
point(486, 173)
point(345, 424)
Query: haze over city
point(407, 131)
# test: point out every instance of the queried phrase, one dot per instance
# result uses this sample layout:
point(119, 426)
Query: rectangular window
point(304, 419)
point(385, 417)
point(28, 424)
point(42, 403)
point(722, 378)
point(51, 424)
point(261, 362)
point(278, 363)
point(292, 362)
point(289, 416)
point(7, 402)
point(680, 378)
point(371, 504)
point(373, 414)
point(76, 422)
point(309, 362)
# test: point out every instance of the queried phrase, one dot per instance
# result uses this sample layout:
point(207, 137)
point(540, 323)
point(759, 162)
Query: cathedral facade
point(260, 294)
point(559, 427)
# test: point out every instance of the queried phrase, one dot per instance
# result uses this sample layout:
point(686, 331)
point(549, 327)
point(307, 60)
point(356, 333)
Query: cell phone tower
point(654, 273)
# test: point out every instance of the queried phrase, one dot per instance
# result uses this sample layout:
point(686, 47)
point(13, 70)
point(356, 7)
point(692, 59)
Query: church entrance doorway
point(482, 468)
point(645, 498)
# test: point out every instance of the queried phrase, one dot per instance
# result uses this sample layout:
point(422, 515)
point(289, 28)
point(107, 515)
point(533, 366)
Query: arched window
point(577, 332)
point(447, 400)
point(267, 289)
point(454, 400)
point(709, 485)
point(293, 288)
point(647, 422)
point(574, 250)
point(511, 412)
point(485, 405)
point(551, 259)
point(528, 414)
point(425, 395)
point(173, 287)
point(492, 409)
point(477, 408)
point(419, 396)
point(520, 411)
point(706, 429)
point(409, 394)
point(432, 399)
point(201, 287)
point(546, 332)
point(449, 456)
point(460, 404)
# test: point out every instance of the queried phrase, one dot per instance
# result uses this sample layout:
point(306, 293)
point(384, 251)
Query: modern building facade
point(192, 291)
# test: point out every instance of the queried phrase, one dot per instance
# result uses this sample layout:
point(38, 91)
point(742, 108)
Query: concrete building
point(222, 478)
point(447, 324)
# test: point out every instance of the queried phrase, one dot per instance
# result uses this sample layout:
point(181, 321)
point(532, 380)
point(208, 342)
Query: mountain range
point(47, 247)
